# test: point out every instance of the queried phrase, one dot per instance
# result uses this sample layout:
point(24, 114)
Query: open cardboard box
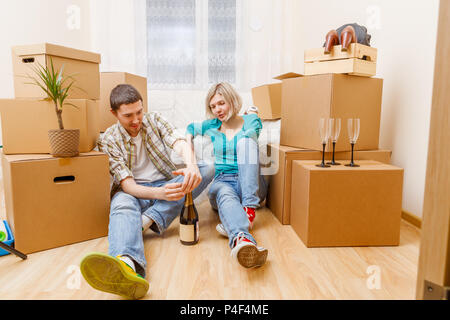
point(268, 100)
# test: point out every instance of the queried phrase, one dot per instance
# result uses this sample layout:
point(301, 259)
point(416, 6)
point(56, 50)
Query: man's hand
point(172, 192)
point(192, 177)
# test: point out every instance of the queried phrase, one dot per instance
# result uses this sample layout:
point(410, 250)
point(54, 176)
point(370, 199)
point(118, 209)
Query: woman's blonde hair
point(230, 96)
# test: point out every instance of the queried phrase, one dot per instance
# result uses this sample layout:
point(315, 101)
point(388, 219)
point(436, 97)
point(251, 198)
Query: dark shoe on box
point(331, 39)
point(347, 36)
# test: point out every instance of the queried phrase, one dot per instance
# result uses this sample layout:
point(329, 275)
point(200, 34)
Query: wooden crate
point(355, 50)
point(351, 66)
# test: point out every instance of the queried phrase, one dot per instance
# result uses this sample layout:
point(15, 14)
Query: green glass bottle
point(189, 231)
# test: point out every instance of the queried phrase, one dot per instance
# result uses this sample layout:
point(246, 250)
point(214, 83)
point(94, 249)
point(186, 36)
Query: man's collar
point(125, 133)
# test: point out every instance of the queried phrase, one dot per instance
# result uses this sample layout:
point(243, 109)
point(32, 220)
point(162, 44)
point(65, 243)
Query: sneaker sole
point(250, 256)
point(105, 273)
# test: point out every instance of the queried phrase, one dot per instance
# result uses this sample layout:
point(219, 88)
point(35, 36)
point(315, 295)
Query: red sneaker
point(251, 214)
point(247, 253)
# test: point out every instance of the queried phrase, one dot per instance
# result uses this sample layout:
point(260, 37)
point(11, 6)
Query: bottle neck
point(188, 202)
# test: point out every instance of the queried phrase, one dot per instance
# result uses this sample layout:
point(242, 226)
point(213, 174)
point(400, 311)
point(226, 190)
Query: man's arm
point(120, 171)
point(169, 192)
point(191, 173)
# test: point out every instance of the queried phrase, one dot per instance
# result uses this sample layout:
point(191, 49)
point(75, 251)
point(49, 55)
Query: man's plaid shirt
point(157, 136)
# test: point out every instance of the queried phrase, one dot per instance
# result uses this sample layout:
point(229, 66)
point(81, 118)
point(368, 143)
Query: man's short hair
point(123, 94)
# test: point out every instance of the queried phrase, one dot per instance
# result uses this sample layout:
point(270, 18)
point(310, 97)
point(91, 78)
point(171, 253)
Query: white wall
point(404, 32)
point(64, 22)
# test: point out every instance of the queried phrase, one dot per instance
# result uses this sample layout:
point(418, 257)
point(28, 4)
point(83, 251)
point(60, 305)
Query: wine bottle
point(189, 222)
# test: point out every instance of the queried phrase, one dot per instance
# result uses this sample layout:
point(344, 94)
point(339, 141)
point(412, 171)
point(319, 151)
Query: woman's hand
point(251, 109)
point(192, 177)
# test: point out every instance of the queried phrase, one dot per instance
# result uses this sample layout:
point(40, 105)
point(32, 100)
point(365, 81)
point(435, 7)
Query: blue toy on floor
point(6, 236)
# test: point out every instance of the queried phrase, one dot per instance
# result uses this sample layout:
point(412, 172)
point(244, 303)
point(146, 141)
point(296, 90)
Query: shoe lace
point(241, 236)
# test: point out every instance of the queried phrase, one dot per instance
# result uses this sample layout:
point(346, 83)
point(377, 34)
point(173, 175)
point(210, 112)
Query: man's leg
point(122, 271)
point(164, 212)
point(125, 230)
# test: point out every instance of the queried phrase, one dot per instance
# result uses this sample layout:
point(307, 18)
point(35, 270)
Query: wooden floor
point(206, 271)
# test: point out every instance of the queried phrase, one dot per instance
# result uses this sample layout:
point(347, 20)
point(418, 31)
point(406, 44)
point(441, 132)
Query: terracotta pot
point(64, 143)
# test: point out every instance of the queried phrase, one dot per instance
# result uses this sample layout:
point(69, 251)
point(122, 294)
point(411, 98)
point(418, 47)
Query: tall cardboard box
point(307, 99)
point(52, 202)
point(279, 194)
point(25, 124)
point(82, 66)
point(268, 100)
point(109, 80)
point(343, 206)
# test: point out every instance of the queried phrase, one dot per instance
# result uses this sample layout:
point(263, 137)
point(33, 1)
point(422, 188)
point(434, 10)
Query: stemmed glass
point(324, 131)
point(335, 130)
point(353, 134)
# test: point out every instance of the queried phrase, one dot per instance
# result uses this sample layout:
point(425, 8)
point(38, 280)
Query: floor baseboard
point(412, 218)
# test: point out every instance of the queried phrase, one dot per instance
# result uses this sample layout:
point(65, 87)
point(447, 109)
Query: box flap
point(56, 50)
point(284, 148)
point(33, 157)
point(267, 85)
point(288, 75)
point(365, 165)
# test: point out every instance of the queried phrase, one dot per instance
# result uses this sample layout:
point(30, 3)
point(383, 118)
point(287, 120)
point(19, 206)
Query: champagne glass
point(335, 130)
point(324, 131)
point(353, 134)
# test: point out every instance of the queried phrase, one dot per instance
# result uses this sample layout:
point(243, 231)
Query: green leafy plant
point(55, 85)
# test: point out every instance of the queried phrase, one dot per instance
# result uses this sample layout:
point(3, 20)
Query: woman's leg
point(249, 172)
point(224, 196)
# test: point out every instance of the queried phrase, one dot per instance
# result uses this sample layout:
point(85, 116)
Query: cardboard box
point(83, 66)
point(307, 99)
point(268, 100)
point(355, 50)
point(343, 206)
point(108, 81)
point(279, 194)
point(52, 202)
point(356, 67)
point(25, 124)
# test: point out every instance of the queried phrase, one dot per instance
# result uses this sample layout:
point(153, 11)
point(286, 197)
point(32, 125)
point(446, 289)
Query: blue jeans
point(230, 193)
point(125, 223)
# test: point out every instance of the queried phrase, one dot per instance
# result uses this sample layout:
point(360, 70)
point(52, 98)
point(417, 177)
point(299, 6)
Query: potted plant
point(63, 142)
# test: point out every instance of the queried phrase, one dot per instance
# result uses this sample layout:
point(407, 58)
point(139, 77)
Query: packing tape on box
point(63, 161)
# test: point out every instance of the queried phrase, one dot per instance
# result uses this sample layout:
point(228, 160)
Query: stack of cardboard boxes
point(51, 202)
point(336, 206)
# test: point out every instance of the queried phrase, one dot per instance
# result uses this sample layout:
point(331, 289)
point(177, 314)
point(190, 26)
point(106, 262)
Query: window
point(190, 43)
point(221, 41)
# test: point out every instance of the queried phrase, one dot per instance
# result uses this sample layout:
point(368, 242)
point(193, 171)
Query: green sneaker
point(110, 274)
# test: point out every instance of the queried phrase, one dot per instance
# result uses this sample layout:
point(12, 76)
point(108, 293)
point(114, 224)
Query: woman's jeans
point(125, 222)
point(229, 193)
